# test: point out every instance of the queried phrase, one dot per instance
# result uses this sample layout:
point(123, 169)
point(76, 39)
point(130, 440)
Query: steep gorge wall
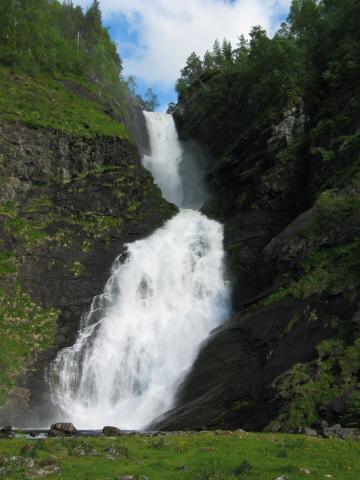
point(68, 205)
point(290, 354)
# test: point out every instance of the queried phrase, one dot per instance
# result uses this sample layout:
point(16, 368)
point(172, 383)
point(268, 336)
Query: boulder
point(349, 434)
point(273, 427)
point(310, 432)
point(112, 432)
point(62, 430)
point(339, 405)
point(46, 470)
point(337, 431)
point(6, 432)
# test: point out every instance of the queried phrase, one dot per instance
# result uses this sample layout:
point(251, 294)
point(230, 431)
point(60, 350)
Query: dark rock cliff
point(291, 348)
point(68, 205)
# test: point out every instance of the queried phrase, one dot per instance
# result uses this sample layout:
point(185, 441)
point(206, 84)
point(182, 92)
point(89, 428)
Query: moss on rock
point(26, 329)
point(307, 390)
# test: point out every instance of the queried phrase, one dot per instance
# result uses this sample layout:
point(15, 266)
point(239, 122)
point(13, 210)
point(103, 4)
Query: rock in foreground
point(112, 432)
point(62, 430)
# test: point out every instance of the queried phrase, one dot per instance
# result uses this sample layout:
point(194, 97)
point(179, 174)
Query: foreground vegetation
point(202, 456)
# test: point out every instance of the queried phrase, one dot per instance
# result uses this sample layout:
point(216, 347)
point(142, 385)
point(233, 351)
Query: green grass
point(202, 456)
point(44, 102)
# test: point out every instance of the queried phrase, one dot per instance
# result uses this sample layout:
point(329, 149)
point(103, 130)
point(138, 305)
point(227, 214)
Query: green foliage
point(41, 40)
point(150, 101)
point(192, 70)
point(312, 59)
point(351, 417)
point(38, 35)
point(230, 88)
point(330, 51)
point(8, 210)
point(339, 205)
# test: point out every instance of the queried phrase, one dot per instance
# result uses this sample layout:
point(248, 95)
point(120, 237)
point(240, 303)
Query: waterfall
point(163, 299)
point(166, 156)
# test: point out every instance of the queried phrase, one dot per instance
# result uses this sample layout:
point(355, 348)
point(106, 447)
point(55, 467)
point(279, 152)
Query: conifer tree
point(217, 54)
point(227, 52)
point(208, 62)
point(92, 24)
point(193, 69)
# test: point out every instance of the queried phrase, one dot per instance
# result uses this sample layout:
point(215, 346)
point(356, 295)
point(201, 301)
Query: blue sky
point(155, 37)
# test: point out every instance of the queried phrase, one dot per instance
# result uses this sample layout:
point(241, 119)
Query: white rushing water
point(161, 302)
point(166, 155)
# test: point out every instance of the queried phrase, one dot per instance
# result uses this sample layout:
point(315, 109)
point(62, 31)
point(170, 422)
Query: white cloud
point(169, 30)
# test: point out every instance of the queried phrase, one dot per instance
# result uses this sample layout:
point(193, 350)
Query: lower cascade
point(164, 297)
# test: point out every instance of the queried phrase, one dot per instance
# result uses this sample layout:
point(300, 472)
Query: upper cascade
point(166, 156)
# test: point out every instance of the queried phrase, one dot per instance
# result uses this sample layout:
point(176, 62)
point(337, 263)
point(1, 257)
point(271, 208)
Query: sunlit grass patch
point(45, 102)
point(201, 456)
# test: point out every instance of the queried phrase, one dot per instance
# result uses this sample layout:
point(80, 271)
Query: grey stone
point(62, 430)
point(310, 432)
point(7, 432)
point(112, 432)
point(46, 470)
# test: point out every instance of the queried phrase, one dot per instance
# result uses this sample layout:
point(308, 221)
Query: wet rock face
point(293, 294)
point(234, 379)
point(135, 122)
point(39, 156)
point(73, 204)
point(230, 383)
point(289, 128)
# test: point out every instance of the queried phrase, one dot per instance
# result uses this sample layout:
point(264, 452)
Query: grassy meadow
point(192, 456)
